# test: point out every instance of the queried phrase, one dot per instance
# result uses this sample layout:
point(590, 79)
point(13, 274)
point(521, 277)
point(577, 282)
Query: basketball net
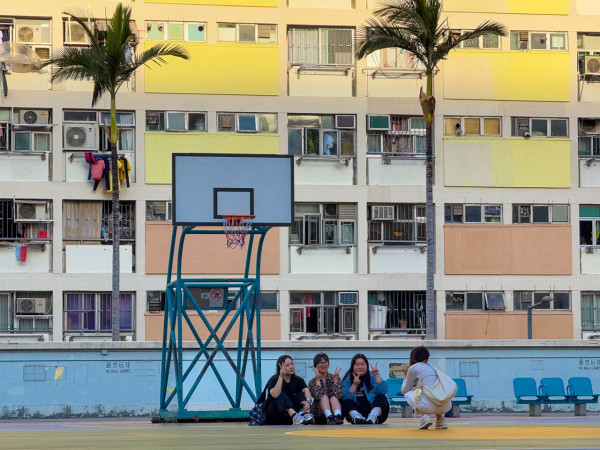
point(236, 227)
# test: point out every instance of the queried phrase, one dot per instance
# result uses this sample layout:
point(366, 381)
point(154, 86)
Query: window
point(25, 220)
point(125, 131)
point(472, 126)
point(540, 214)
point(590, 311)
point(247, 33)
point(31, 130)
point(4, 129)
point(401, 224)
point(538, 40)
point(26, 312)
point(321, 46)
point(322, 313)
point(476, 301)
point(458, 213)
point(157, 211)
point(175, 121)
point(176, 31)
point(35, 33)
point(393, 58)
point(403, 135)
point(589, 225)
point(390, 311)
point(91, 221)
point(524, 299)
point(156, 300)
point(85, 130)
point(91, 312)
point(539, 127)
point(589, 138)
point(247, 122)
point(329, 224)
point(487, 41)
point(324, 135)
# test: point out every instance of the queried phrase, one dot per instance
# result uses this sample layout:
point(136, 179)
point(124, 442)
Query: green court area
point(487, 431)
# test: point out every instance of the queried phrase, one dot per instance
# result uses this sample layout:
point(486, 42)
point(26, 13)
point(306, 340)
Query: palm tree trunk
point(116, 226)
point(430, 328)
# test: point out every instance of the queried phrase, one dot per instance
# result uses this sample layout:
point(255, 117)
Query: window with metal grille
point(328, 224)
point(407, 226)
point(321, 313)
point(91, 312)
point(321, 46)
point(590, 311)
point(92, 221)
point(14, 319)
point(390, 311)
point(405, 136)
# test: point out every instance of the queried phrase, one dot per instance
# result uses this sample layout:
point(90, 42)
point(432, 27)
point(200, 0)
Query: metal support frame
point(247, 316)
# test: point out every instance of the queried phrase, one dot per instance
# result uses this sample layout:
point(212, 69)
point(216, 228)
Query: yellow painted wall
point(509, 6)
point(232, 68)
point(272, 3)
point(507, 162)
point(160, 147)
point(507, 75)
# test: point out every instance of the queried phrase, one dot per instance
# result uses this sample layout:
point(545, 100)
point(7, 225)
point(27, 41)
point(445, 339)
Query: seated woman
point(289, 398)
point(364, 393)
point(326, 390)
point(421, 372)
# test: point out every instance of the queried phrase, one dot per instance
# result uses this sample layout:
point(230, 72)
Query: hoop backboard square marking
point(233, 201)
point(207, 185)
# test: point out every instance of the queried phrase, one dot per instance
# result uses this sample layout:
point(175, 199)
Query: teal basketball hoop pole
point(180, 379)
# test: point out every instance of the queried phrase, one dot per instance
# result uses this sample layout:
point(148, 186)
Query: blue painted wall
point(111, 379)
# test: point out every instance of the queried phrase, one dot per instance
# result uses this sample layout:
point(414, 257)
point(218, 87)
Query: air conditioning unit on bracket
point(75, 34)
point(347, 298)
point(34, 117)
point(592, 65)
point(590, 126)
point(30, 211)
point(28, 33)
point(380, 212)
point(32, 306)
point(347, 122)
point(82, 136)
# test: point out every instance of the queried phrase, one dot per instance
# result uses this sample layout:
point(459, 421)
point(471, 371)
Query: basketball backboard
point(206, 186)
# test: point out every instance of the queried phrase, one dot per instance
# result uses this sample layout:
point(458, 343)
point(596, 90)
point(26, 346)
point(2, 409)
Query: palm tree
point(108, 65)
point(416, 26)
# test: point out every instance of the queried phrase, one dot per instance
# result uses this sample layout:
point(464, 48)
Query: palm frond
point(158, 52)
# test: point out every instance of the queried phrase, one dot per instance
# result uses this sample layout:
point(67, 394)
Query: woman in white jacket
point(420, 372)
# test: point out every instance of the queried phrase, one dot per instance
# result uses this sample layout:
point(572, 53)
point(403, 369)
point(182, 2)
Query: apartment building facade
point(517, 137)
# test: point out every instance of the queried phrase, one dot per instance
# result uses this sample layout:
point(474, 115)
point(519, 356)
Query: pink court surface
point(477, 431)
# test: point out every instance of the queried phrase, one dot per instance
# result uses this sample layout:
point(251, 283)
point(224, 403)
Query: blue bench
point(461, 397)
point(551, 391)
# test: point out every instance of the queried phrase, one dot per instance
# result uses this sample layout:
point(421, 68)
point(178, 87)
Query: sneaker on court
point(357, 418)
point(331, 420)
point(298, 419)
point(441, 424)
point(308, 419)
point(425, 422)
point(371, 419)
point(339, 419)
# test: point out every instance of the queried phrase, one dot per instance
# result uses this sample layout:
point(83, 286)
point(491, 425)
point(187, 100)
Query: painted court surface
point(485, 431)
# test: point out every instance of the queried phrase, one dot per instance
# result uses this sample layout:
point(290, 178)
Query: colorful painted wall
point(509, 6)
point(507, 249)
point(507, 162)
point(271, 3)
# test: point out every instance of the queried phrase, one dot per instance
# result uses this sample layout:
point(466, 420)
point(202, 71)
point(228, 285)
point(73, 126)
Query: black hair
point(318, 357)
point(419, 354)
point(366, 378)
point(280, 362)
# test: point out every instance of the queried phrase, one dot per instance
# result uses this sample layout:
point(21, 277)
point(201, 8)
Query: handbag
point(442, 391)
point(258, 415)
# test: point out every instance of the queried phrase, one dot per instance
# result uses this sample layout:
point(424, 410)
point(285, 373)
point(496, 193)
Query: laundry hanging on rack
point(100, 167)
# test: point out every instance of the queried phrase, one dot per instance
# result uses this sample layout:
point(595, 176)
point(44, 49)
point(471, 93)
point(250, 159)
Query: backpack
point(258, 414)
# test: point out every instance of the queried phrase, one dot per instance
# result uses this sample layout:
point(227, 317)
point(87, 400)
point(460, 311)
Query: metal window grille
point(407, 228)
point(397, 310)
point(9, 230)
point(127, 219)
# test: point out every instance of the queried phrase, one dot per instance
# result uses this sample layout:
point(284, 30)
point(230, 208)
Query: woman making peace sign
point(364, 393)
point(326, 389)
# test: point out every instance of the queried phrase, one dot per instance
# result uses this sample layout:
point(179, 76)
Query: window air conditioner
point(379, 123)
point(379, 212)
point(347, 298)
point(32, 306)
point(29, 33)
point(75, 34)
point(590, 126)
point(331, 211)
point(592, 65)
point(34, 117)
point(82, 136)
point(30, 212)
point(345, 122)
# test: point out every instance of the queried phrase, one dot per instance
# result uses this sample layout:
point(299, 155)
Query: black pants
point(364, 407)
point(277, 410)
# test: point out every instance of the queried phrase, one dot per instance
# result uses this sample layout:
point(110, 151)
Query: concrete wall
point(510, 6)
point(96, 258)
point(38, 259)
point(103, 379)
point(324, 171)
point(322, 259)
point(16, 166)
point(392, 259)
point(395, 172)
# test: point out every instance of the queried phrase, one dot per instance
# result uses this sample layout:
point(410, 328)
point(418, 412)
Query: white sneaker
point(298, 419)
point(308, 419)
point(425, 422)
point(441, 423)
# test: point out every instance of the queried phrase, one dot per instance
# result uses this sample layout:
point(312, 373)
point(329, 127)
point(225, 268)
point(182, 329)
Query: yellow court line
point(523, 432)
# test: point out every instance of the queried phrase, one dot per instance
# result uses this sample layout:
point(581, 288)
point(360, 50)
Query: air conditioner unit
point(28, 33)
point(379, 212)
point(30, 211)
point(592, 65)
point(345, 122)
point(75, 34)
point(34, 116)
point(590, 126)
point(331, 211)
point(32, 306)
point(347, 298)
point(83, 136)
point(379, 123)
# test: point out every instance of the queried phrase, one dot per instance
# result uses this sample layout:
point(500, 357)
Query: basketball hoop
point(236, 227)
